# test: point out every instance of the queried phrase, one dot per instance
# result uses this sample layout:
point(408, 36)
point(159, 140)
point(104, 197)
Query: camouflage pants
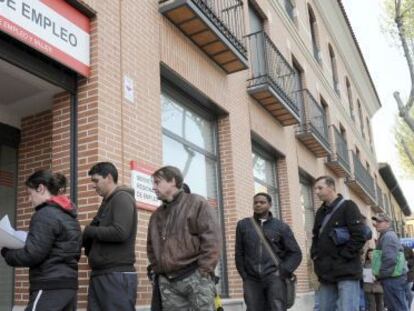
point(192, 293)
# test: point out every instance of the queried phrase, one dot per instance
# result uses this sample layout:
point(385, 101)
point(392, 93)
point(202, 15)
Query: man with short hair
point(109, 243)
point(337, 262)
point(392, 278)
point(182, 244)
point(263, 278)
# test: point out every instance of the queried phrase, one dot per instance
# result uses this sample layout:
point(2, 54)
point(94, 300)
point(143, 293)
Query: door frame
point(32, 61)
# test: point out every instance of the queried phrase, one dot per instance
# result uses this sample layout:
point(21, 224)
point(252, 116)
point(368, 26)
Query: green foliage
point(401, 13)
point(407, 18)
point(402, 131)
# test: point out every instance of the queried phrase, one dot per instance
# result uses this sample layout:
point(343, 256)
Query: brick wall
point(60, 140)
point(229, 199)
point(45, 143)
point(34, 153)
point(88, 201)
point(131, 38)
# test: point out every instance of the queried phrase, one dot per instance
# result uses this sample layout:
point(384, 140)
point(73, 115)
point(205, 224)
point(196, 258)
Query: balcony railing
point(363, 177)
point(312, 114)
point(338, 159)
point(313, 129)
point(229, 17)
point(270, 68)
point(224, 17)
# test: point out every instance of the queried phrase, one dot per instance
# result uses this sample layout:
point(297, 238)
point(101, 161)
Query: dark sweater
point(109, 240)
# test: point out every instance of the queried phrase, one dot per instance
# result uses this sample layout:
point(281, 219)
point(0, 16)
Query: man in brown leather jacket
point(182, 244)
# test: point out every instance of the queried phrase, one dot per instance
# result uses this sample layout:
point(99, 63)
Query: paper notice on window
point(9, 237)
point(368, 276)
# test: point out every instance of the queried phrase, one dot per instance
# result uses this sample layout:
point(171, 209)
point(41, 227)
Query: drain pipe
point(74, 146)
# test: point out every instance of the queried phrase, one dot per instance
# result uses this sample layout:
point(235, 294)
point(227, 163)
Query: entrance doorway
point(8, 183)
point(22, 95)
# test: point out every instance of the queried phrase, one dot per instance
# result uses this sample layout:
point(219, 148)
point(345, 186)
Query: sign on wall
point(52, 27)
point(129, 89)
point(141, 182)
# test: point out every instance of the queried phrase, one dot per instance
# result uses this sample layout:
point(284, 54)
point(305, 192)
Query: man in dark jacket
point(109, 243)
point(337, 264)
point(393, 269)
point(263, 284)
point(182, 244)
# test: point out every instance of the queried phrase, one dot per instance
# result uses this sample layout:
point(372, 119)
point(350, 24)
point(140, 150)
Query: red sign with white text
point(141, 182)
point(52, 27)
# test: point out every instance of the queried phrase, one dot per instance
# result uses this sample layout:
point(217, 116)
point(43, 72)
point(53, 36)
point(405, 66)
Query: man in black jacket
point(109, 243)
point(337, 264)
point(264, 288)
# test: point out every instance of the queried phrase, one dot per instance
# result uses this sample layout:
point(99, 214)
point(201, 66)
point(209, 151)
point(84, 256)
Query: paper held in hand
point(9, 237)
point(368, 276)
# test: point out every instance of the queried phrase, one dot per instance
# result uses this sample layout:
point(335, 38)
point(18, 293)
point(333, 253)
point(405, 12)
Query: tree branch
point(404, 112)
point(407, 151)
point(401, 32)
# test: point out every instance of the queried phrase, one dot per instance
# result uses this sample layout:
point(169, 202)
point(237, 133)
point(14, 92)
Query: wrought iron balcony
point(338, 159)
point(362, 182)
point(216, 26)
point(313, 129)
point(272, 79)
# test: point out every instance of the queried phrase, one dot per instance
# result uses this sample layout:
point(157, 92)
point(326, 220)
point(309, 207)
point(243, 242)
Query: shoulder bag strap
point(329, 216)
point(259, 232)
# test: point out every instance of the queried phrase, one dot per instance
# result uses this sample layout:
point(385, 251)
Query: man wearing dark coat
point(263, 280)
point(337, 264)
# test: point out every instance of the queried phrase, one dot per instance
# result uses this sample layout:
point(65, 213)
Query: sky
point(388, 69)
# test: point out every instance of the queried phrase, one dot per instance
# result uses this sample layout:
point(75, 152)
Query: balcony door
point(257, 44)
point(298, 89)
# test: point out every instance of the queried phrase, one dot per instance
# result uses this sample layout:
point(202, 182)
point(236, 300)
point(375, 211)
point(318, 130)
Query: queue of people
point(183, 249)
point(339, 236)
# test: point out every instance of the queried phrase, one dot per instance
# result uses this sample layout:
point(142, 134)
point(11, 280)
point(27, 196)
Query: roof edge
point(388, 176)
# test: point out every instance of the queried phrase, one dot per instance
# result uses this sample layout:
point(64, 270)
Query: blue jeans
point(394, 293)
point(408, 293)
point(362, 302)
point(316, 305)
point(340, 296)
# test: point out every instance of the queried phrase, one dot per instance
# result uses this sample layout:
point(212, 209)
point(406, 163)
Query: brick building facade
point(269, 111)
